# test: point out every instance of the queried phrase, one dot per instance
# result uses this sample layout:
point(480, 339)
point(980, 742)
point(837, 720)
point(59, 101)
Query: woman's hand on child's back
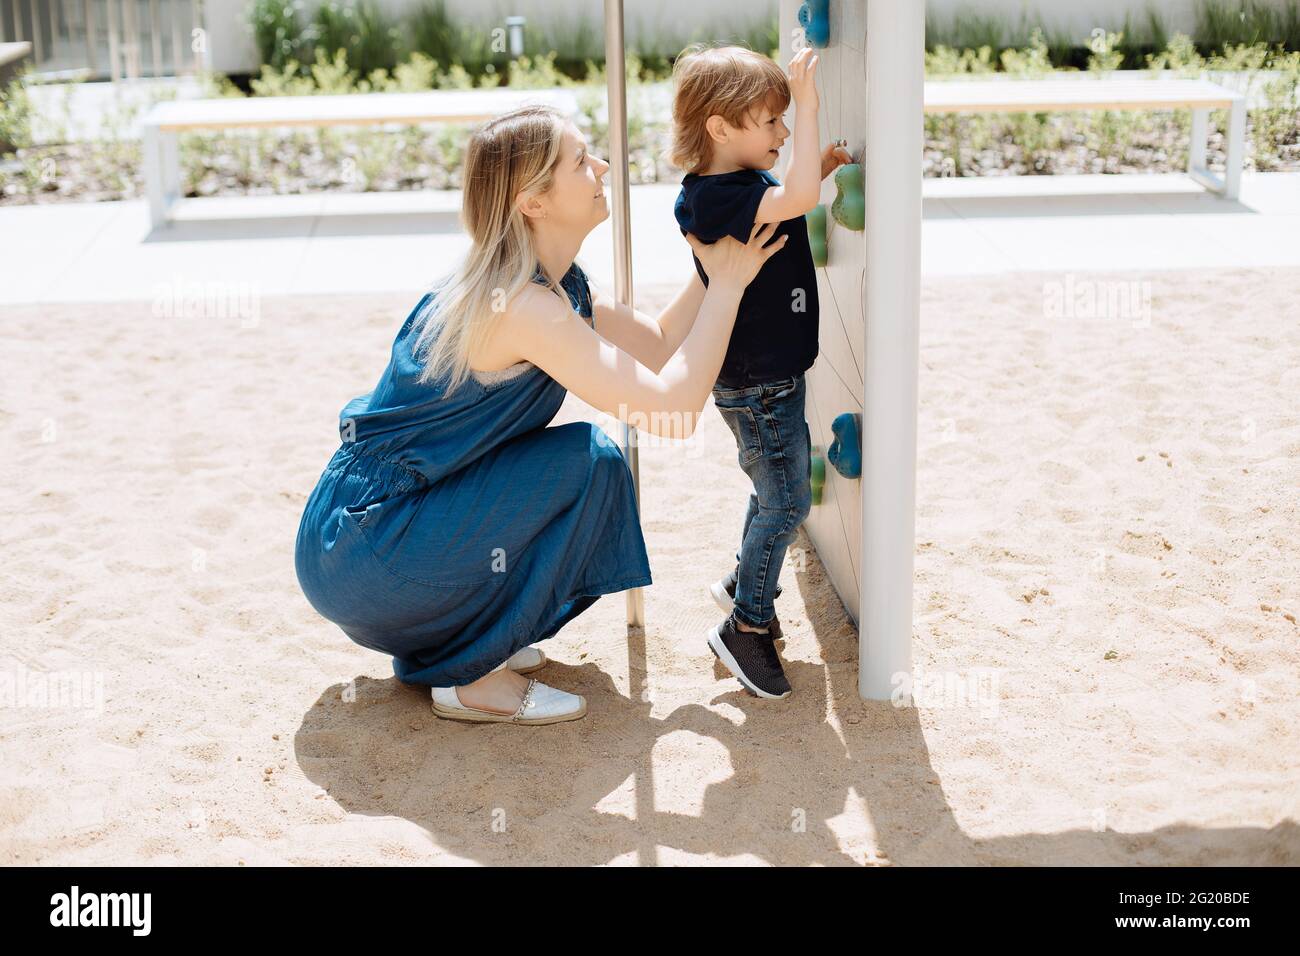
point(737, 262)
point(802, 75)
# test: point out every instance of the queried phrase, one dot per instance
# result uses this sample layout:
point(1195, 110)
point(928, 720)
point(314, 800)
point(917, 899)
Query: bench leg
point(1236, 149)
point(1196, 148)
point(162, 172)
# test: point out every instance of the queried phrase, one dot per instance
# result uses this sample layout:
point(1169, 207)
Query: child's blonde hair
point(730, 81)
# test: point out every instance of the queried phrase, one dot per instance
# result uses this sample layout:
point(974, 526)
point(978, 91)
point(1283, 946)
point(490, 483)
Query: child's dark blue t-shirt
point(775, 335)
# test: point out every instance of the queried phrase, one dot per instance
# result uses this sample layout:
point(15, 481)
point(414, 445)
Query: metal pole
point(892, 307)
point(617, 80)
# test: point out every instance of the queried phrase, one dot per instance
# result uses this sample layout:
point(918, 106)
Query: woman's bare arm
point(545, 330)
point(652, 341)
point(666, 401)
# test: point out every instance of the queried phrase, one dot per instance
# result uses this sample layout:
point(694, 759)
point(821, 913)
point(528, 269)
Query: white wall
point(233, 50)
point(1079, 18)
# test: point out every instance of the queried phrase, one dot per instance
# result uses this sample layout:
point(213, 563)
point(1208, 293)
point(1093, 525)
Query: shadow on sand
point(881, 765)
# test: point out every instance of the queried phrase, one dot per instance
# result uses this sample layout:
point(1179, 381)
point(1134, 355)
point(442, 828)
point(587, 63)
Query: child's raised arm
point(802, 187)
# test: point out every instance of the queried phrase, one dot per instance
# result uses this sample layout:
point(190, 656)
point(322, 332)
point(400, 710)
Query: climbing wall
point(835, 380)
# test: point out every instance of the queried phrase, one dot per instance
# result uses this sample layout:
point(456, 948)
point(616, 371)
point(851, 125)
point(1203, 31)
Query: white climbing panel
point(869, 299)
point(835, 381)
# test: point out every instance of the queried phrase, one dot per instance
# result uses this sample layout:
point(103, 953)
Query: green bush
point(359, 28)
point(277, 30)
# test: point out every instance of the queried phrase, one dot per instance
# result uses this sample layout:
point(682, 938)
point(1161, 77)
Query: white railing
point(110, 39)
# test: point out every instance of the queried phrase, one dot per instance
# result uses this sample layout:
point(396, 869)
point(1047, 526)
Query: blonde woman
point(452, 529)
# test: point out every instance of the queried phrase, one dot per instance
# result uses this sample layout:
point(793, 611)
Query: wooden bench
point(1104, 93)
point(12, 54)
point(160, 129)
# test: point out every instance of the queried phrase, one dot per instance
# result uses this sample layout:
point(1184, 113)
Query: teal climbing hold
point(850, 206)
point(815, 18)
point(845, 452)
point(816, 220)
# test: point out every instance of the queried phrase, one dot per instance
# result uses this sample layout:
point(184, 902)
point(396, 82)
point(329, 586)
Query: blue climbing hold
point(814, 17)
point(845, 452)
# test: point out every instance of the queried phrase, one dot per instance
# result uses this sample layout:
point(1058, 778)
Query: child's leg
point(772, 436)
point(749, 518)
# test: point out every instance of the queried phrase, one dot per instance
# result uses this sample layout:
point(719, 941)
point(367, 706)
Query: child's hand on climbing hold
point(834, 156)
point(802, 77)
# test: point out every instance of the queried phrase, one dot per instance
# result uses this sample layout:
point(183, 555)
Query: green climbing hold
point(817, 234)
point(818, 474)
point(850, 206)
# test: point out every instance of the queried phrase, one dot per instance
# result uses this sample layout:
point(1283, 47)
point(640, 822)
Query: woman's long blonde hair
point(513, 153)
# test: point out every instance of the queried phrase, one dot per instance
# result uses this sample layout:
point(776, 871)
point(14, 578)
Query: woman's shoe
point(527, 659)
point(541, 704)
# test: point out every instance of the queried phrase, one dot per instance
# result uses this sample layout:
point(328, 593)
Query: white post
point(155, 192)
point(892, 308)
point(1196, 146)
point(1236, 157)
point(162, 171)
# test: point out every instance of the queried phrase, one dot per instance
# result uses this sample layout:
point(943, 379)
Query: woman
point(452, 529)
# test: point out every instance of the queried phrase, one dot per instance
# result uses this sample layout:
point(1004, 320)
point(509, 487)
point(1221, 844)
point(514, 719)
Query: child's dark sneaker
point(724, 592)
point(751, 658)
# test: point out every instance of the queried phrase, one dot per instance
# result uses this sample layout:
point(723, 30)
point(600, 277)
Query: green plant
point(361, 29)
point(1275, 126)
point(947, 61)
point(972, 29)
point(1105, 54)
point(1139, 41)
point(1221, 22)
point(277, 30)
point(1180, 55)
point(16, 112)
point(418, 73)
point(536, 73)
point(1032, 60)
point(433, 33)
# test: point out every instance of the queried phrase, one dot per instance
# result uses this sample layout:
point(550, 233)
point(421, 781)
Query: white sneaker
point(541, 704)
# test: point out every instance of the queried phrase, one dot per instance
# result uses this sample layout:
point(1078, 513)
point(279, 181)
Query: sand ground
point(1107, 524)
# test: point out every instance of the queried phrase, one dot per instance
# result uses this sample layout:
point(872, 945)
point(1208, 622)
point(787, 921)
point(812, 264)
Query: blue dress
point(452, 530)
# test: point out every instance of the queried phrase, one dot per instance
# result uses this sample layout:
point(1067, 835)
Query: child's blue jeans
point(775, 450)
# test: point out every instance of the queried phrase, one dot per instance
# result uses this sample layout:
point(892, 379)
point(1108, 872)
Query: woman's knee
point(605, 451)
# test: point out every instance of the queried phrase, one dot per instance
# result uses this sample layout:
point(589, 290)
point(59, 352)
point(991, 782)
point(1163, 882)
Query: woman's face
point(577, 200)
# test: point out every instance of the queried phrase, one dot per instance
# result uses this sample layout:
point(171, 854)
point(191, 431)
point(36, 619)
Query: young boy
point(727, 128)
